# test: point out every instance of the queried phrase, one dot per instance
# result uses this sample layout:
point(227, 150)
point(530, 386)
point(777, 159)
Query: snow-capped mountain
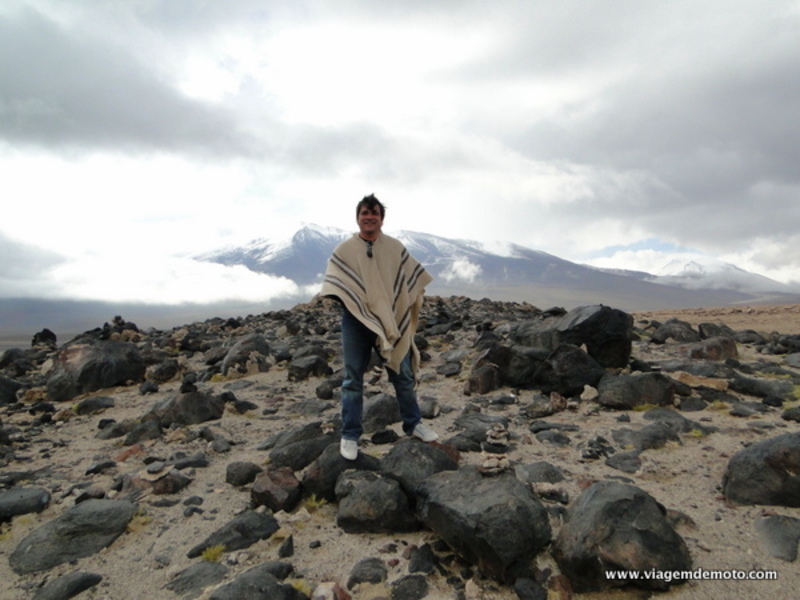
point(512, 272)
point(301, 258)
point(696, 273)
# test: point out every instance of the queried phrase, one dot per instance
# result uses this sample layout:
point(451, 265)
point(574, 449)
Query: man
point(381, 287)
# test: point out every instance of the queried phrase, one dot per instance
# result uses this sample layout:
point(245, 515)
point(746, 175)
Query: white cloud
point(461, 269)
point(150, 279)
point(164, 127)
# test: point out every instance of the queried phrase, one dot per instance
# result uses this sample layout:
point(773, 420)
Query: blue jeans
point(358, 343)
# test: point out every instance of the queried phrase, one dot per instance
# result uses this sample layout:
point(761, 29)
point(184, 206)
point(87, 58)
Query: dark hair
point(371, 202)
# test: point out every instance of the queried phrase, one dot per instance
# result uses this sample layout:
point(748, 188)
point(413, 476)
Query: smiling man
point(381, 288)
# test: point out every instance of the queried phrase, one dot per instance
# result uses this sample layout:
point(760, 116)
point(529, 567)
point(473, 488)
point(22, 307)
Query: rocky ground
point(684, 476)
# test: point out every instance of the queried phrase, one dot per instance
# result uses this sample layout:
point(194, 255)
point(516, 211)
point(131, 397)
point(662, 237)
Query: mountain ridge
point(510, 271)
point(501, 271)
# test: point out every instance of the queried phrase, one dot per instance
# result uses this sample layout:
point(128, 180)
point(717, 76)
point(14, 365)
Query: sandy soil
point(784, 318)
point(684, 477)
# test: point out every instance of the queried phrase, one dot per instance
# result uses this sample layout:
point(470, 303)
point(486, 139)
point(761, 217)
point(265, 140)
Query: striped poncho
point(385, 292)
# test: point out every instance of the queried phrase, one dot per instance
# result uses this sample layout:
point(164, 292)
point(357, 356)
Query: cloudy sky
point(618, 133)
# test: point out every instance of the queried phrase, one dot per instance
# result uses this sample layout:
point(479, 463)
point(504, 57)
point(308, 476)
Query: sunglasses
point(369, 249)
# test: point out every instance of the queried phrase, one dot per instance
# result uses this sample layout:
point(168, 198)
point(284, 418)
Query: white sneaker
point(348, 449)
point(425, 433)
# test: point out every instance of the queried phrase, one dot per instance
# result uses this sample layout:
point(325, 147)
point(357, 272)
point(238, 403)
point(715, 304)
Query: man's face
point(369, 222)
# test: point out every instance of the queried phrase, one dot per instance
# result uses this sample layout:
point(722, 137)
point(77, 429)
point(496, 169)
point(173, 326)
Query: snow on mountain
point(696, 273)
point(509, 271)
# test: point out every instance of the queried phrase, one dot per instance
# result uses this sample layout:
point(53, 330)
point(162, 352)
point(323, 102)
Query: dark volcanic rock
point(302, 453)
point(607, 333)
point(568, 370)
point(67, 586)
point(493, 522)
point(367, 570)
point(780, 535)
point(242, 531)
point(83, 530)
point(715, 348)
point(258, 582)
point(626, 392)
point(612, 526)
point(186, 409)
point(22, 501)
point(765, 473)
point(241, 473)
point(85, 368)
point(192, 580)
point(307, 366)
point(411, 462)
point(647, 438)
point(251, 349)
point(677, 330)
point(321, 475)
point(277, 489)
point(8, 390)
point(371, 503)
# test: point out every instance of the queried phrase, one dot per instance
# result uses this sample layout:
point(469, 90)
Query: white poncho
point(384, 292)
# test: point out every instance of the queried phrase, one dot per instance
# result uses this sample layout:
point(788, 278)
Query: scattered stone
point(626, 392)
point(194, 579)
point(367, 570)
point(94, 405)
point(410, 587)
point(22, 501)
point(780, 535)
point(242, 532)
point(67, 586)
point(627, 462)
point(715, 348)
point(241, 473)
point(258, 582)
point(89, 526)
point(159, 465)
point(277, 489)
point(188, 408)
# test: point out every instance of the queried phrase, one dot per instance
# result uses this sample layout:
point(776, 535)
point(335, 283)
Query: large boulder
point(616, 527)
point(494, 522)
point(411, 461)
point(626, 392)
point(565, 369)
point(766, 472)
point(568, 370)
point(320, 477)
point(83, 530)
point(84, 368)
point(368, 502)
point(607, 333)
